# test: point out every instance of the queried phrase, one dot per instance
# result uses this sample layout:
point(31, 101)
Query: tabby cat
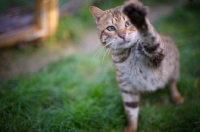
point(143, 59)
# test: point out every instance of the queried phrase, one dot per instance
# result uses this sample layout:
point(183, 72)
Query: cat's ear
point(96, 12)
point(134, 1)
point(131, 2)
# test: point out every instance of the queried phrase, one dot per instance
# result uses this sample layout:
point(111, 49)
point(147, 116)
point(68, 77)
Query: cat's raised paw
point(136, 14)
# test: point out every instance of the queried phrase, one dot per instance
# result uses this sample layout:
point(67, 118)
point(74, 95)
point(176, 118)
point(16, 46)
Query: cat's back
point(171, 59)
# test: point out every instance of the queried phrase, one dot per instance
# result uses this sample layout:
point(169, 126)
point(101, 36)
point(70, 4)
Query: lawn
point(78, 94)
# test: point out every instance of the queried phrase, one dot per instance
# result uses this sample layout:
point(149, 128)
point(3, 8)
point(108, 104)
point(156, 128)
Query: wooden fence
point(37, 26)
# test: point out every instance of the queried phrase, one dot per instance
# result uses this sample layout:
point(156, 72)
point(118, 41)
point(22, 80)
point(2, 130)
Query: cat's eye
point(127, 24)
point(111, 28)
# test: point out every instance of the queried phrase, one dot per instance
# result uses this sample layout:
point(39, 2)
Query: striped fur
point(143, 59)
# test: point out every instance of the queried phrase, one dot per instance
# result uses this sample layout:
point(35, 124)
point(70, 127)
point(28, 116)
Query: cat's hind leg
point(175, 94)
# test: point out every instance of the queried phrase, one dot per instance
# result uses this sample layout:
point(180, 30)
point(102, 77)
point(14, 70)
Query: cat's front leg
point(130, 99)
point(150, 43)
point(137, 15)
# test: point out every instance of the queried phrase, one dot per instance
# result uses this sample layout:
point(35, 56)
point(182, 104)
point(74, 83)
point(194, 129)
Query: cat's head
point(114, 28)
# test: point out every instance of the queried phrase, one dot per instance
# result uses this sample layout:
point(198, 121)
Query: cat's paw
point(130, 129)
point(178, 99)
point(136, 13)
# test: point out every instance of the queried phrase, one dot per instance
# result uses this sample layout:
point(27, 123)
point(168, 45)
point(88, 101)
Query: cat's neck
point(119, 56)
point(117, 51)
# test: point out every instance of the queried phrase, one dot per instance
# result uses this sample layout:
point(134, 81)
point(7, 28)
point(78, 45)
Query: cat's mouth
point(125, 42)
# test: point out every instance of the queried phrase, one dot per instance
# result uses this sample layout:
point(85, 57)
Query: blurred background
point(55, 75)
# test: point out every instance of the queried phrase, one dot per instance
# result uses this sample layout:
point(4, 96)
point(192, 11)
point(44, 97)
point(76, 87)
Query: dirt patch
point(26, 63)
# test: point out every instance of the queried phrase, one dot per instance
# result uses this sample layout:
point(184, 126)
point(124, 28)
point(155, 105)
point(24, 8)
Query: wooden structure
point(44, 24)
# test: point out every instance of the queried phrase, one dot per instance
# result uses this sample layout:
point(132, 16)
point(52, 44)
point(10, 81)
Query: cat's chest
point(138, 72)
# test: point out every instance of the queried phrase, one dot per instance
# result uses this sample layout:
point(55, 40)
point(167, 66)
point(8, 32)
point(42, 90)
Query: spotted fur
point(143, 59)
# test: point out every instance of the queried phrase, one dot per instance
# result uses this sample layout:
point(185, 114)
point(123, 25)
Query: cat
point(143, 59)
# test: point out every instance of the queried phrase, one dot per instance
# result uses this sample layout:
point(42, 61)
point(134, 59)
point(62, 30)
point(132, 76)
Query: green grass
point(63, 97)
point(76, 94)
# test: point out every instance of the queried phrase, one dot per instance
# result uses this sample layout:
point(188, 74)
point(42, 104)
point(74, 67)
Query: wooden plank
point(46, 16)
point(39, 5)
point(52, 16)
point(16, 36)
point(45, 25)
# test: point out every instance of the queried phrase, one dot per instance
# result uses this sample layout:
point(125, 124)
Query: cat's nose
point(123, 35)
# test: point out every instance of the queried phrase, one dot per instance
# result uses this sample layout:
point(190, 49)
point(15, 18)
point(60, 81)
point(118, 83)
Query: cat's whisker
point(109, 43)
point(97, 52)
point(107, 51)
point(106, 46)
point(100, 50)
point(111, 48)
point(95, 47)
